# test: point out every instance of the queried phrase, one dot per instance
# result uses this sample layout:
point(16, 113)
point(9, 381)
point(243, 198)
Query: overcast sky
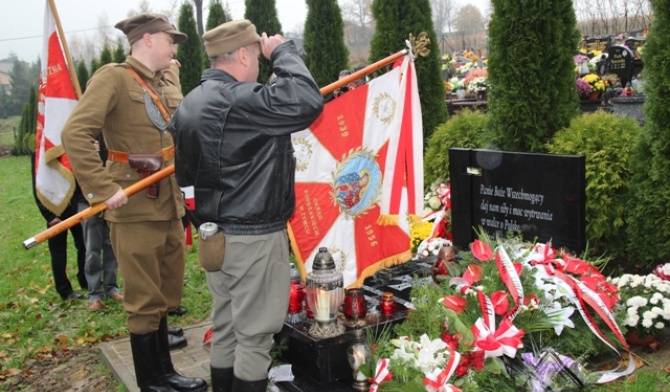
point(21, 21)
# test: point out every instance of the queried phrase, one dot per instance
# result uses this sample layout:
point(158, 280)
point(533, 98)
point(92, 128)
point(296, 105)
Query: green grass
point(33, 318)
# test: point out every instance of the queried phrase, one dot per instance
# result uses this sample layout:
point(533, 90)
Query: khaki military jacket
point(113, 104)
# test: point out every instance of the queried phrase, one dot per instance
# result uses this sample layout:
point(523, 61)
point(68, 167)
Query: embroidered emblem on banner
point(302, 152)
point(357, 183)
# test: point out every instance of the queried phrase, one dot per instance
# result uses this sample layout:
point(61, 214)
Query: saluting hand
point(268, 44)
point(119, 199)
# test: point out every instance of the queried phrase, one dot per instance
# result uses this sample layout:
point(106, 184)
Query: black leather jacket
point(233, 144)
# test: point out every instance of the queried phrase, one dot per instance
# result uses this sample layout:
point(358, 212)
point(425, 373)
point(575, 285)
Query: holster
point(146, 165)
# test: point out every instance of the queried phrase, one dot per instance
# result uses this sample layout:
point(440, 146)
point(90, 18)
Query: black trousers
point(58, 251)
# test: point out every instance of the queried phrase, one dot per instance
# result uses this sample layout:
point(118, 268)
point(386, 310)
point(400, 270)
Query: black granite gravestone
point(540, 196)
point(620, 62)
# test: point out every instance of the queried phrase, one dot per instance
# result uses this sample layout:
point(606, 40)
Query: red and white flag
point(404, 162)
point(54, 180)
point(342, 161)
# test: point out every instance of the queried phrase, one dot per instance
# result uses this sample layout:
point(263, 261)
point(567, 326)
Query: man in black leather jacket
point(233, 144)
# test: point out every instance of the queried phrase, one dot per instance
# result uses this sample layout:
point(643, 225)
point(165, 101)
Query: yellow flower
point(594, 80)
point(419, 232)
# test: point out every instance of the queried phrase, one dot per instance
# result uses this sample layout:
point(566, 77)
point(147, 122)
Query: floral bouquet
point(645, 302)
point(596, 83)
point(456, 83)
point(503, 299)
point(478, 85)
point(433, 232)
point(583, 87)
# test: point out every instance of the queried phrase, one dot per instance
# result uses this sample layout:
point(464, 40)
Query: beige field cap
point(229, 37)
point(136, 26)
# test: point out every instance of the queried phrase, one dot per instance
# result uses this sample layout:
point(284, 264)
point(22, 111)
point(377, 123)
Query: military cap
point(136, 26)
point(229, 37)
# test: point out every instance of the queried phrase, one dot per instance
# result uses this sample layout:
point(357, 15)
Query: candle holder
point(354, 308)
point(358, 355)
point(325, 293)
point(439, 270)
point(387, 303)
point(296, 304)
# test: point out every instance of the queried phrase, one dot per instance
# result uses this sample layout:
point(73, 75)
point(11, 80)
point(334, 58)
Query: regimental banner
point(54, 181)
point(341, 163)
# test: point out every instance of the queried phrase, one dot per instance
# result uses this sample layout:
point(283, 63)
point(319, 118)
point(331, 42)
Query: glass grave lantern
point(325, 294)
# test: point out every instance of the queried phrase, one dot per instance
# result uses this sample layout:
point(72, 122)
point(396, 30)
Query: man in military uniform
point(131, 104)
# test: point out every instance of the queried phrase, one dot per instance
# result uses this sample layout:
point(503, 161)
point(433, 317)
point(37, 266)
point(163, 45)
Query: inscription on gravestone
point(540, 196)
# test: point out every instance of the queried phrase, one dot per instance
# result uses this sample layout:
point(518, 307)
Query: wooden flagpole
point(66, 49)
point(168, 170)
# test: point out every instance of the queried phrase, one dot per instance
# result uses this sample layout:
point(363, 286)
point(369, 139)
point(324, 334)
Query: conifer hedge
point(189, 52)
point(648, 219)
point(326, 53)
point(531, 72)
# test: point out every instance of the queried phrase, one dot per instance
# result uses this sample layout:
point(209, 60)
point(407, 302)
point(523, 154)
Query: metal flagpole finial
point(419, 45)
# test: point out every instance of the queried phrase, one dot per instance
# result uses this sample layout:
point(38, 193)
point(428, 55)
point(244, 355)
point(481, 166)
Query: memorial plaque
point(540, 196)
point(620, 62)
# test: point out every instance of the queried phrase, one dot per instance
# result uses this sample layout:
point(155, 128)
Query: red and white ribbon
point(543, 257)
point(495, 342)
point(382, 373)
point(511, 279)
point(436, 381)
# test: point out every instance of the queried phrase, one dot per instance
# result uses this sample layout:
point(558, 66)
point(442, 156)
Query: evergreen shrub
point(464, 130)
point(648, 225)
point(606, 141)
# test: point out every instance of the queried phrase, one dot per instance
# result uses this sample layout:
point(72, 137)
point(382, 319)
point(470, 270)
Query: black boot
point(176, 342)
point(249, 386)
point(177, 331)
point(176, 380)
point(222, 379)
point(148, 369)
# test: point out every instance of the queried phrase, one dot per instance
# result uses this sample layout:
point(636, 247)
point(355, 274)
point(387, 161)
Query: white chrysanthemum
point(648, 318)
point(666, 269)
point(656, 311)
point(659, 325)
point(631, 320)
point(656, 298)
point(637, 301)
point(663, 286)
point(636, 280)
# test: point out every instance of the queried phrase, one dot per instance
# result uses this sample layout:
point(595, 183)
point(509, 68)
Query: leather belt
point(122, 157)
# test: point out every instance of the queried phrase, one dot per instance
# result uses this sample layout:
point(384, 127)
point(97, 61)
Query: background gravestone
point(595, 43)
point(620, 62)
point(634, 43)
point(541, 196)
